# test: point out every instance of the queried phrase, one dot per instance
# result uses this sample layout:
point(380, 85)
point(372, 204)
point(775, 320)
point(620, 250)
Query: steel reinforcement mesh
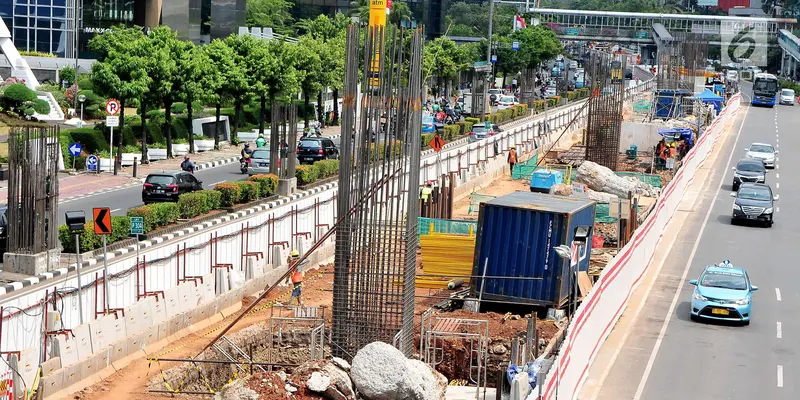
point(376, 241)
point(604, 123)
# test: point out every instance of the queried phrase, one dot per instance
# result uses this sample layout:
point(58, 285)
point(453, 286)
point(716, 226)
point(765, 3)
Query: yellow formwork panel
point(447, 255)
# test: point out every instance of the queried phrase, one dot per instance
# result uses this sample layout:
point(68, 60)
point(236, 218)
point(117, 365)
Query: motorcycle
point(244, 163)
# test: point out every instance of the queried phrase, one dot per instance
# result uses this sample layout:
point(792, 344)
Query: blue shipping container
point(516, 237)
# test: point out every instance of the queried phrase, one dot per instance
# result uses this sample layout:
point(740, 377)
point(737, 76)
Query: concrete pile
point(601, 179)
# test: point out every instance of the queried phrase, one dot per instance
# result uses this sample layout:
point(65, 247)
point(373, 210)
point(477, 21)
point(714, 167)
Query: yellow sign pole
point(377, 19)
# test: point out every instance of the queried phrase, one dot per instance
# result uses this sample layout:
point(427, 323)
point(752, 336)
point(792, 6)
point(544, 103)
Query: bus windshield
point(765, 86)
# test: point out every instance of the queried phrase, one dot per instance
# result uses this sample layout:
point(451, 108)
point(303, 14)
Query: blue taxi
point(723, 292)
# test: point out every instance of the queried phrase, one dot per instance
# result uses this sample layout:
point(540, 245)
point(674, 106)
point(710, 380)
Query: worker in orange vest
point(512, 158)
point(297, 277)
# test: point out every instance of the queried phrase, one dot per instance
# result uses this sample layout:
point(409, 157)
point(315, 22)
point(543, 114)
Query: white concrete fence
point(599, 312)
point(185, 280)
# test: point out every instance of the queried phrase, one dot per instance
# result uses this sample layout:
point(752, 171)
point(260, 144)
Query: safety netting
point(475, 200)
point(524, 170)
point(650, 179)
point(427, 226)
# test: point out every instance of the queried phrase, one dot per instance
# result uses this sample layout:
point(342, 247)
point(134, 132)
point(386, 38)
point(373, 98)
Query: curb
point(165, 237)
point(216, 163)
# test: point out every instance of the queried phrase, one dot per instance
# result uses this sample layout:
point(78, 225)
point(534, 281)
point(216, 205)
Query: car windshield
point(754, 193)
point(760, 148)
point(309, 143)
point(764, 85)
point(261, 154)
point(750, 167)
point(479, 128)
point(495, 91)
point(427, 119)
point(724, 280)
point(507, 99)
point(787, 92)
point(160, 179)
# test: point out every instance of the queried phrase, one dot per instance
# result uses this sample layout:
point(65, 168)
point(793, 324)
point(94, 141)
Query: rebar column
point(604, 122)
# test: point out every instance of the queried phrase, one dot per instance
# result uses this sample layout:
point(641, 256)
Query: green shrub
point(191, 205)
point(306, 174)
point(85, 82)
point(268, 183)
point(465, 127)
point(451, 132)
point(67, 74)
point(89, 241)
point(229, 193)
point(538, 105)
point(91, 139)
point(41, 106)
point(120, 228)
point(471, 121)
point(426, 138)
point(248, 191)
point(178, 108)
point(19, 93)
point(166, 213)
point(148, 214)
point(214, 198)
point(327, 168)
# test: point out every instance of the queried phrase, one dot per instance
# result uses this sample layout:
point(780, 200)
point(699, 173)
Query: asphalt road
point(121, 200)
point(705, 360)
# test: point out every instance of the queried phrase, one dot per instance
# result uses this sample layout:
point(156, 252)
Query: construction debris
point(602, 179)
point(326, 378)
point(381, 372)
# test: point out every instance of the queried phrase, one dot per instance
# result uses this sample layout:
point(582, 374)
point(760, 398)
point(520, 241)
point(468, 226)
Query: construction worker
point(512, 159)
point(296, 277)
point(426, 191)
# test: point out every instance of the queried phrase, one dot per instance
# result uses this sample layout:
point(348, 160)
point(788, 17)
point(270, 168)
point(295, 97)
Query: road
point(666, 355)
point(121, 200)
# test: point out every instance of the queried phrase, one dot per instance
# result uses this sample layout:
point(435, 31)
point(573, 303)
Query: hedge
point(229, 193)
point(451, 132)
point(306, 174)
point(191, 205)
point(248, 191)
point(148, 215)
point(268, 183)
point(120, 227)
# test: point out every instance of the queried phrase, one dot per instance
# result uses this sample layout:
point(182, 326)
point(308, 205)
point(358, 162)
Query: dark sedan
point(748, 170)
point(754, 202)
point(315, 149)
point(167, 186)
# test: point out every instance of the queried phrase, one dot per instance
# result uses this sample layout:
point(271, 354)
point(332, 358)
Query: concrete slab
point(119, 350)
point(220, 281)
point(227, 312)
point(51, 365)
point(188, 298)
point(202, 317)
point(83, 338)
point(90, 368)
point(67, 350)
point(135, 346)
point(71, 375)
point(153, 345)
point(27, 367)
point(52, 383)
point(98, 331)
point(159, 310)
point(176, 325)
point(118, 328)
point(138, 316)
point(468, 393)
point(206, 289)
point(173, 303)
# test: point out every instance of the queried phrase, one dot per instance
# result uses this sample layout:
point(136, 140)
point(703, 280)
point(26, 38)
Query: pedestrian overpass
point(790, 57)
point(650, 28)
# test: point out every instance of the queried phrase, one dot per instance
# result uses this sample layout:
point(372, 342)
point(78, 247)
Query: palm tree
point(400, 13)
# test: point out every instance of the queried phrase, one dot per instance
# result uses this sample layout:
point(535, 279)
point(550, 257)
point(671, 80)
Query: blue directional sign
point(137, 225)
point(75, 149)
point(91, 163)
point(494, 58)
point(514, 45)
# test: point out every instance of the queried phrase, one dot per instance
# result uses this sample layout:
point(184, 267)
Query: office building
point(47, 26)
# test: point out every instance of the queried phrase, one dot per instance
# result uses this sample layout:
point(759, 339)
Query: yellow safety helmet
point(295, 253)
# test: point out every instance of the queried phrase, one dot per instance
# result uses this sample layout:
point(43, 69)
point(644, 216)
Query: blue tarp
point(678, 133)
point(709, 97)
point(668, 102)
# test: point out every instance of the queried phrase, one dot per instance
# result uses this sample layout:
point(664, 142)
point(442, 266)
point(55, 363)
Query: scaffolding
point(604, 124)
point(376, 238)
point(472, 335)
point(296, 321)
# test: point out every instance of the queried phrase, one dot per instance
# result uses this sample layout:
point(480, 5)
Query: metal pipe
point(483, 282)
point(78, 272)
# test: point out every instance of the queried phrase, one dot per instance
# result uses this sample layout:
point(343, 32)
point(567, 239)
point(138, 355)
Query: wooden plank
point(584, 284)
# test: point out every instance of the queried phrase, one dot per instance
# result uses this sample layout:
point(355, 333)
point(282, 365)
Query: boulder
point(561, 189)
point(601, 197)
point(318, 383)
point(381, 372)
point(336, 382)
point(426, 383)
point(236, 390)
point(601, 179)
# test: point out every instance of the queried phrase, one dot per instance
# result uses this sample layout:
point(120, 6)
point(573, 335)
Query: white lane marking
point(216, 183)
point(780, 375)
point(777, 166)
point(778, 294)
point(777, 176)
point(115, 210)
point(777, 209)
point(689, 262)
point(777, 145)
point(777, 185)
point(779, 334)
point(777, 140)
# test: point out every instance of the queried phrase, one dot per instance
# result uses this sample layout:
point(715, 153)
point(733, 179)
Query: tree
point(400, 13)
point(198, 78)
point(283, 78)
point(120, 71)
point(470, 19)
point(249, 55)
point(309, 66)
point(230, 75)
point(360, 9)
point(441, 59)
point(537, 44)
point(164, 51)
point(273, 14)
point(331, 32)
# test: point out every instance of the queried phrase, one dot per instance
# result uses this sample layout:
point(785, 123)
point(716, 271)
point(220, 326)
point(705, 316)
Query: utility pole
point(486, 105)
point(76, 42)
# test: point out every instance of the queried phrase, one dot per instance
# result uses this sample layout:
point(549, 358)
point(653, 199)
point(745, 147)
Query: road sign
point(494, 58)
point(112, 107)
point(572, 31)
point(436, 143)
point(102, 221)
point(514, 45)
point(75, 149)
point(137, 225)
point(112, 121)
point(91, 163)
point(487, 124)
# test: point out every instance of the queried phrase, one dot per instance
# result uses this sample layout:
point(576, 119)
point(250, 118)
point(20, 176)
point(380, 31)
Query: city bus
point(765, 89)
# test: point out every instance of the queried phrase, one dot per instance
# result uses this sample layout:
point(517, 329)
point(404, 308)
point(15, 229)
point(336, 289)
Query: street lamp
point(81, 99)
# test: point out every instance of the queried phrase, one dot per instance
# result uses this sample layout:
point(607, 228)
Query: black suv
point(315, 149)
point(754, 202)
point(748, 170)
point(167, 186)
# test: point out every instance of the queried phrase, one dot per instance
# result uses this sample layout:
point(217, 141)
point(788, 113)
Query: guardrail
point(163, 286)
point(601, 309)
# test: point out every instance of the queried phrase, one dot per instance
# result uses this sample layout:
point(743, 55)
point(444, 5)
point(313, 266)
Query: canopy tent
point(709, 97)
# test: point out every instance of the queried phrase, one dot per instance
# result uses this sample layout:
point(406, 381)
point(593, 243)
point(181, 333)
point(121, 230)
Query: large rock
point(602, 179)
point(236, 390)
point(380, 372)
point(318, 373)
point(561, 189)
point(601, 197)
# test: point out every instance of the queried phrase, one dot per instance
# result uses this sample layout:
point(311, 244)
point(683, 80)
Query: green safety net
point(602, 214)
point(641, 106)
point(475, 201)
point(525, 169)
point(652, 180)
point(453, 227)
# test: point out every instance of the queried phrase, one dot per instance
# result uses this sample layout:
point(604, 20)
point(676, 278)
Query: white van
point(787, 97)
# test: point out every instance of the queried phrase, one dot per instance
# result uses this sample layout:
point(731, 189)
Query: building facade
point(48, 26)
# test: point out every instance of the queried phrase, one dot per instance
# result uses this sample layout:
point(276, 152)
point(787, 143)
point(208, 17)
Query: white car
point(550, 91)
point(787, 96)
point(764, 152)
point(732, 76)
point(506, 102)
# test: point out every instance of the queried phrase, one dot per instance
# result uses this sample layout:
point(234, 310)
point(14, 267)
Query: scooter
point(244, 163)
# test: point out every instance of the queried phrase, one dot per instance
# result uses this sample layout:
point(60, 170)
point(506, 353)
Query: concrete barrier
point(601, 309)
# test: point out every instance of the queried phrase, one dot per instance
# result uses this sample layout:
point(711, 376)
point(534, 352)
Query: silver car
point(764, 152)
point(258, 162)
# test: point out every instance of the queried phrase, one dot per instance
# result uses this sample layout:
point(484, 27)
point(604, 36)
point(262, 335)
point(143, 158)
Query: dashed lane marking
point(780, 375)
point(779, 333)
point(778, 294)
point(777, 185)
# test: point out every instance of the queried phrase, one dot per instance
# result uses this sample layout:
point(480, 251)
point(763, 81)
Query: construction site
point(461, 288)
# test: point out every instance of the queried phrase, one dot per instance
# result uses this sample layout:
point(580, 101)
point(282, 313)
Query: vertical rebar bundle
point(528, 87)
point(283, 140)
point(670, 63)
point(33, 189)
point(376, 238)
point(604, 123)
point(694, 51)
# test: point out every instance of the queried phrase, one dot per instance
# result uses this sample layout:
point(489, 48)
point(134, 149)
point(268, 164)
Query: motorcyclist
point(246, 151)
point(187, 165)
point(261, 142)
